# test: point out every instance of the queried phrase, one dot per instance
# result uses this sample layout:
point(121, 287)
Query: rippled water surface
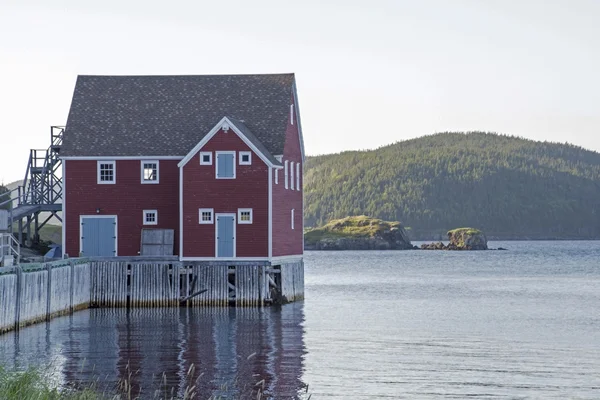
point(522, 323)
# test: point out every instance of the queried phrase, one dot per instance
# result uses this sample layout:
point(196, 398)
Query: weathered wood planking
point(109, 283)
point(154, 285)
point(292, 281)
point(211, 277)
point(8, 301)
point(81, 287)
point(37, 292)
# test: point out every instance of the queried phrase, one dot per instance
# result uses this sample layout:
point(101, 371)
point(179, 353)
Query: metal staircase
point(41, 191)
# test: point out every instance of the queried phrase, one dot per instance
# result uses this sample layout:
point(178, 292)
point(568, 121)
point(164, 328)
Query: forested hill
point(506, 186)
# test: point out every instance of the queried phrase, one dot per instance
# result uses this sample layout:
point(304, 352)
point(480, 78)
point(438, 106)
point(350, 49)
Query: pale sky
point(369, 73)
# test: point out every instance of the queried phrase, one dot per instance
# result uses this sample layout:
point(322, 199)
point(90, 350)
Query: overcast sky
point(369, 73)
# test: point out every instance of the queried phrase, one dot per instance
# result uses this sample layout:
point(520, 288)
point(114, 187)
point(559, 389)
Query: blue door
point(225, 235)
point(98, 237)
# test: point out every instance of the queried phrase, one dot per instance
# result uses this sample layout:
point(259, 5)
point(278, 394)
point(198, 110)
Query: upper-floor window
point(298, 176)
point(285, 175)
point(292, 114)
point(149, 171)
point(150, 217)
point(277, 176)
point(225, 164)
point(293, 217)
point(106, 172)
point(245, 157)
point(292, 176)
point(205, 158)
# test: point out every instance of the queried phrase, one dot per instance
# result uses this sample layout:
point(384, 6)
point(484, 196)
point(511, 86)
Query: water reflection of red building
point(227, 352)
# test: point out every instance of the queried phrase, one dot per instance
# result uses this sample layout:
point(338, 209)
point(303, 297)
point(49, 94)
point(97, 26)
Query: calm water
point(523, 323)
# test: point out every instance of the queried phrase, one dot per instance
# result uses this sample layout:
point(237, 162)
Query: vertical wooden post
point(49, 291)
point(71, 286)
point(19, 274)
point(28, 229)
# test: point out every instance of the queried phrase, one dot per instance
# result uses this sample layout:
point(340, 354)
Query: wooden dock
point(37, 292)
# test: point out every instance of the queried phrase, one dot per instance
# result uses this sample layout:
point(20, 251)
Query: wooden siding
point(288, 241)
point(126, 199)
point(249, 189)
point(39, 292)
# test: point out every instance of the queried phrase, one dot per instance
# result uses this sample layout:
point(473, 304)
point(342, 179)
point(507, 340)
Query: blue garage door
point(98, 237)
point(225, 235)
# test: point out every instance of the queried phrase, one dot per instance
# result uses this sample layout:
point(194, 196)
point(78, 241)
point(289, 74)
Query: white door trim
point(216, 217)
point(81, 217)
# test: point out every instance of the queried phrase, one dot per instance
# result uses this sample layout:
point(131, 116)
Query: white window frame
point(114, 170)
point(292, 114)
point(277, 176)
point(212, 216)
point(286, 173)
point(242, 210)
point(206, 153)
point(293, 212)
point(298, 176)
point(144, 215)
point(147, 181)
point(292, 175)
point(245, 153)
point(217, 164)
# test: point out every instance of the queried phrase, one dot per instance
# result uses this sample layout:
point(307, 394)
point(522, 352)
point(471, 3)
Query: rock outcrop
point(358, 233)
point(461, 239)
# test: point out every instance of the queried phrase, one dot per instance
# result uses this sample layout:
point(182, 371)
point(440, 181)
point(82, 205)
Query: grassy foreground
point(31, 384)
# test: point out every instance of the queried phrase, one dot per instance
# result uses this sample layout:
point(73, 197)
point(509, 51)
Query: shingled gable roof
point(131, 116)
point(245, 134)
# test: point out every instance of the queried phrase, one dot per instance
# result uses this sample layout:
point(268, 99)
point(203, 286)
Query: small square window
point(205, 158)
point(205, 215)
point(150, 217)
point(106, 172)
point(149, 171)
point(244, 216)
point(245, 158)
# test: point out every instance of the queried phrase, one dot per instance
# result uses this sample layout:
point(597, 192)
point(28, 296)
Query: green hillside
point(506, 186)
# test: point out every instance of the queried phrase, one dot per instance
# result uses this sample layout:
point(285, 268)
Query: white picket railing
point(10, 250)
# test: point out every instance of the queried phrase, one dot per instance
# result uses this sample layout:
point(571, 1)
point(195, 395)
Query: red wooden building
point(216, 159)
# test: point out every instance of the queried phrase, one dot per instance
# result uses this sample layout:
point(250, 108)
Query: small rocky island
point(358, 233)
point(461, 239)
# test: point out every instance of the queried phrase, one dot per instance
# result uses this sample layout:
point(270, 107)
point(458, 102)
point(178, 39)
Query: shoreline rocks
point(358, 233)
point(460, 239)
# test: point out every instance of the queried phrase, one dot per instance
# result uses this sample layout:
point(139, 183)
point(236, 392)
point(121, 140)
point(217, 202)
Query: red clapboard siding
point(288, 241)
point(248, 190)
point(127, 199)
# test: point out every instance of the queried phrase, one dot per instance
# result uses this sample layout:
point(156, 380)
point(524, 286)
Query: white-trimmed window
point(277, 176)
point(285, 167)
point(205, 158)
point(292, 114)
point(298, 176)
point(150, 217)
point(244, 215)
point(245, 157)
point(149, 171)
point(205, 215)
point(107, 173)
point(292, 175)
point(225, 165)
point(293, 212)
